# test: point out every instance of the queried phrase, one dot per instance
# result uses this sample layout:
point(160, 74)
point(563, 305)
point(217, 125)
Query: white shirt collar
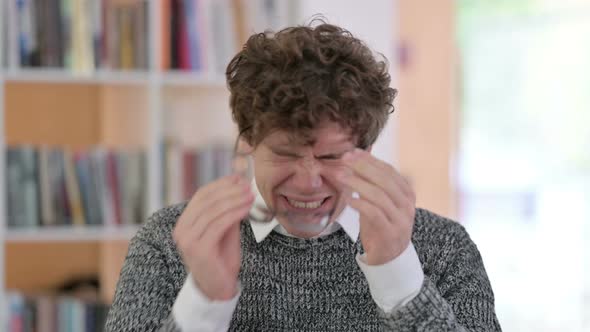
point(348, 220)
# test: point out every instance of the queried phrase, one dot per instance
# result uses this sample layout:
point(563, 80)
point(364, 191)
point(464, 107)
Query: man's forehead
point(316, 137)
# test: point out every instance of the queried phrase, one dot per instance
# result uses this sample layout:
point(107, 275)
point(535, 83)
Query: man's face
point(301, 180)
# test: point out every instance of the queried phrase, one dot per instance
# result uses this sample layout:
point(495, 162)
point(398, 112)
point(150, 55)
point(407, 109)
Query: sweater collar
point(348, 220)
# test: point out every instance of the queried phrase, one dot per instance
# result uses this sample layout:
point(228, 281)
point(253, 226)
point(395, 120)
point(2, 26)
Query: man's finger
point(371, 193)
point(372, 217)
point(216, 230)
point(227, 194)
point(218, 209)
point(382, 175)
point(216, 185)
point(223, 189)
point(389, 169)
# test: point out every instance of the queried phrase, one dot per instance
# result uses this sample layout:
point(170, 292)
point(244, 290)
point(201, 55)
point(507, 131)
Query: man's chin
point(306, 227)
point(301, 233)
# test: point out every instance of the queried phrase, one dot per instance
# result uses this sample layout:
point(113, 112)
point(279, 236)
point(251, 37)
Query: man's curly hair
point(298, 77)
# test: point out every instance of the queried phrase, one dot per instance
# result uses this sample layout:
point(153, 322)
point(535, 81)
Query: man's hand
point(208, 235)
point(387, 206)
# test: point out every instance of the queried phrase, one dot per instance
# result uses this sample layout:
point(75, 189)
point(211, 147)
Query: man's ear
point(244, 147)
point(369, 148)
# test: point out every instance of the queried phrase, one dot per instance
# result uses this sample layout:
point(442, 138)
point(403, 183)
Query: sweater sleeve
point(461, 300)
point(145, 293)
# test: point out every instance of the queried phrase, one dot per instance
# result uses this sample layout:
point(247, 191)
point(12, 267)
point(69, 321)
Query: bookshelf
point(64, 76)
point(71, 234)
point(83, 107)
point(131, 109)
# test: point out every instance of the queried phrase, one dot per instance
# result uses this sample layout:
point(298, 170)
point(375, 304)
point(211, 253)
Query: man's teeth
point(305, 205)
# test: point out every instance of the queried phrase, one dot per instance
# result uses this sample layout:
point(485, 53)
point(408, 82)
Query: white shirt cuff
point(194, 311)
point(396, 282)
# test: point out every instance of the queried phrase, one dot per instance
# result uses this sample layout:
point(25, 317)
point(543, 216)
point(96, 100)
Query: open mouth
point(307, 206)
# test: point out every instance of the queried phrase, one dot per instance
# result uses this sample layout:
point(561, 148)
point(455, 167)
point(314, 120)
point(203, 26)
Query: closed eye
point(330, 157)
point(334, 156)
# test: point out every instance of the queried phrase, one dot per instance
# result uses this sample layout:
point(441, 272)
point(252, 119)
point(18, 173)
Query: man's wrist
point(396, 282)
point(193, 308)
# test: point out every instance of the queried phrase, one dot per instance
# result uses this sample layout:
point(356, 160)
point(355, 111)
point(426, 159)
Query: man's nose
point(308, 174)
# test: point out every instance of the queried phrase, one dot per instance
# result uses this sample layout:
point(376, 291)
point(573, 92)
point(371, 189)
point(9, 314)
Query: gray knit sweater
point(292, 284)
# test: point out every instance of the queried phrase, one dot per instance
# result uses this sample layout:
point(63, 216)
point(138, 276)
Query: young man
point(309, 102)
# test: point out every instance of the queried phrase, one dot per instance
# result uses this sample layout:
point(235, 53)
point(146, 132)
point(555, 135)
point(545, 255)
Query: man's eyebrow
point(281, 149)
point(287, 145)
point(337, 153)
point(342, 139)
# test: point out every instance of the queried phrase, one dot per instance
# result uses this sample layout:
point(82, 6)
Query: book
point(49, 312)
point(183, 37)
point(106, 204)
point(59, 195)
point(16, 307)
point(205, 165)
point(49, 186)
point(14, 203)
point(140, 30)
point(135, 186)
point(126, 54)
point(25, 31)
point(46, 314)
point(173, 177)
point(79, 35)
point(191, 17)
point(29, 185)
point(48, 213)
point(203, 35)
point(82, 41)
point(165, 19)
point(49, 33)
point(10, 37)
point(189, 173)
point(73, 190)
point(65, 20)
point(22, 187)
point(187, 169)
point(87, 189)
point(113, 178)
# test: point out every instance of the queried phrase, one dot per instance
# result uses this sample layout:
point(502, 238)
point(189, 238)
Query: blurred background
point(111, 109)
point(523, 155)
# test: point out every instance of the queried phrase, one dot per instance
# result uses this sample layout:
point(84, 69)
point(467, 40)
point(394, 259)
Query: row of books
point(83, 35)
point(203, 35)
point(49, 186)
point(187, 169)
point(50, 313)
point(79, 35)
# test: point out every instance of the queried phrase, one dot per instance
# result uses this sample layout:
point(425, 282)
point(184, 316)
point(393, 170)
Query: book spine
point(191, 25)
point(188, 160)
point(45, 188)
point(48, 186)
point(66, 32)
point(29, 186)
point(183, 40)
point(14, 201)
point(166, 31)
point(125, 23)
point(73, 190)
point(175, 28)
point(113, 184)
point(96, 27)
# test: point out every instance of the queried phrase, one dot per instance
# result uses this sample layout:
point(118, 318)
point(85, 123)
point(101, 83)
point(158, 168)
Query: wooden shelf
point(46, 75)
point(71, 234)
point(193, 78)
point(133, 77)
